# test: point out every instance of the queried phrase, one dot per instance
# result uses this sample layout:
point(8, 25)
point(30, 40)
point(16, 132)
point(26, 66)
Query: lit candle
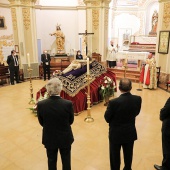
point(28, 58)
point(88, 66)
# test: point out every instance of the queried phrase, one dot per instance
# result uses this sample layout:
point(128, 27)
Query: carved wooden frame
point(2, 23)
point(163, 45)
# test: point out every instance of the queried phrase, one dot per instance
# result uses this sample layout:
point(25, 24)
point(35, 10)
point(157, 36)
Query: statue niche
point(154, 24)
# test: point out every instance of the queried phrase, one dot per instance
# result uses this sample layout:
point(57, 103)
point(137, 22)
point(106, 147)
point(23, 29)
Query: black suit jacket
point(165, 118)
point(10, 61)
point(56, 115)
point(120, 114)
point(44, 60)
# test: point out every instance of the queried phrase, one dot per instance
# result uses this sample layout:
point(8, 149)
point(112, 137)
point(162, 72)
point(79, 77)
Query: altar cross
point(86, 34)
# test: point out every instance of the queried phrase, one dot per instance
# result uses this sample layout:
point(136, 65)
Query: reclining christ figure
point(75, 83)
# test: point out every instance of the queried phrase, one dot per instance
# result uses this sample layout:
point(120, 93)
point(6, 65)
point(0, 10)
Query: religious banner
point(166, 15)
point(163, 42)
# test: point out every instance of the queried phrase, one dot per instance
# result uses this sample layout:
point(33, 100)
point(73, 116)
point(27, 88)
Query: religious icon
point(2, 23)
point(164, 42)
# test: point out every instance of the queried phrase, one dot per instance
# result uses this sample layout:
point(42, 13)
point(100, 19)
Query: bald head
point(150, 55)
point(45, 51)
point(125, 85)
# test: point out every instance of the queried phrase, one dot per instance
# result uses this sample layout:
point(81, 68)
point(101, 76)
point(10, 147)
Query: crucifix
point(85, 35)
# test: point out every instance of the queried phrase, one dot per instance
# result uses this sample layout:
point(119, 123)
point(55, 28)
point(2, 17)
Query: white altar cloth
point(128, 55)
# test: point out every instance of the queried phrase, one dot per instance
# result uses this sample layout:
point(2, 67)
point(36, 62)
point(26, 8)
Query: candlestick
point(28, 58)
point(88, 66)
point(31, 88)
point(88, 119)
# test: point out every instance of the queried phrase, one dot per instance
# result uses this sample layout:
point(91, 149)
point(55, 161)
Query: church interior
point(137, 28)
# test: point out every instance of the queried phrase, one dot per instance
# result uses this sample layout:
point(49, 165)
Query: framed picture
point(17, 48)
point(163, 42)
point(2, 23)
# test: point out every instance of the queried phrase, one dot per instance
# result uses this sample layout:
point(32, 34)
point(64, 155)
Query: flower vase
point(106, 99)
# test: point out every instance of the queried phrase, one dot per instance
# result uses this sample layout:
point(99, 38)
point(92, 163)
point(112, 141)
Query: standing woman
point(78, 55)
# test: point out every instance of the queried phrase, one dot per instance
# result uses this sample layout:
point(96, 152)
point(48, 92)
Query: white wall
point(72, 22)
point(124, 23)
point(58, 2)
point(4, 1)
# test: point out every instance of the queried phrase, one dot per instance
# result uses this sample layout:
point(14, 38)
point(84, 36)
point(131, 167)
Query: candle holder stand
point(31, 88)
point(88, 119)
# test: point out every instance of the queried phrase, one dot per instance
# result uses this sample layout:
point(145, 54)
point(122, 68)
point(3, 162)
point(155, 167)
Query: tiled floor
point(20, 133)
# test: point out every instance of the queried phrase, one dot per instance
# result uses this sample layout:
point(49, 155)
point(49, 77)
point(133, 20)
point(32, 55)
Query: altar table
point(127, 55)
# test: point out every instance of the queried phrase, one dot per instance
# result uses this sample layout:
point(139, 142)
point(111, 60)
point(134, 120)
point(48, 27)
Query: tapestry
point(75, 80)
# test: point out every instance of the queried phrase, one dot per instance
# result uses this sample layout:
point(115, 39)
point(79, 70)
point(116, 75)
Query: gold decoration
point(25, 2)
point(106, 17)
point(12, 1)
point(88, 119)
point(166, 15)
point(95, 3)
point(95, 15)
point(31, 88)
point(14, 18)
point(7, 37)
point(26, 17)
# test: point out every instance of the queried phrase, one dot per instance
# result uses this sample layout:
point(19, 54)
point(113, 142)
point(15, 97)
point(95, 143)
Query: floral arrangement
point(34, 108)
point(107, 87)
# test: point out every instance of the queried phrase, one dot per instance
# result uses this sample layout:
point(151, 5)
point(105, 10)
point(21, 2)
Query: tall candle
point(28, 58)
point(88, 66)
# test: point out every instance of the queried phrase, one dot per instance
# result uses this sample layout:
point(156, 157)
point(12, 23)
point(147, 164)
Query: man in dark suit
point(45, 58)
point(165, 118)
point(120, 114)
point(56, 115)
point(13, 63)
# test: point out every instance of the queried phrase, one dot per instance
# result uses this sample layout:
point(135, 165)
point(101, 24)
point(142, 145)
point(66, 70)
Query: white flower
point(102, 87)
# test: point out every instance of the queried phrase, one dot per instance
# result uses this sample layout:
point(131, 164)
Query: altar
point(127, 55)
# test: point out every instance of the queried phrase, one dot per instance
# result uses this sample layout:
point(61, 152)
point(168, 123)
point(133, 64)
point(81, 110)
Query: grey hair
point(54, 86)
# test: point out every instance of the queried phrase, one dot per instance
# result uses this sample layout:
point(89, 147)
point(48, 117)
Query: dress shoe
point(12, 83)
point(18, 82)
point(158, 167)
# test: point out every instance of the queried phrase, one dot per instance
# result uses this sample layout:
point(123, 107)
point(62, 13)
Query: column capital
point(97, 2)
point(160, 1)
point(22, 2)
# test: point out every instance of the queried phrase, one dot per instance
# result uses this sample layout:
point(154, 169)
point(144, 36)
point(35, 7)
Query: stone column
point(97, 22)
point(163, 60)
point(24, 28)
